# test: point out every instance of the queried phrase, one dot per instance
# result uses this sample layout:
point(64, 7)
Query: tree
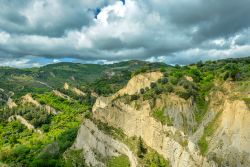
point(142, 150)
point(163, 69)
point(142, 91)
point(200, 64)
point(164, 80)
point(134, 97)
point(152, 85)
point(45, 127)
point(169, 88)
point(158, 90)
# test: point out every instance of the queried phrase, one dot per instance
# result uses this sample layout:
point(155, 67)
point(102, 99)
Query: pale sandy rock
point(189, 78)
point(92, 140)
point(138, 82)
point(231, 141)
point(78, 92)
point(11, 104)
point(75, 90)
point(24, 122)
point(66, 86)
point(140, 123)
point(29, 99)
point(52, 74)
point(50, 109)
point(94, 94)
point(60, 94)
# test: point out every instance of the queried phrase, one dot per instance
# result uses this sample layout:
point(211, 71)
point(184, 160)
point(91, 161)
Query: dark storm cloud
point(173, 31)
point(50, 18)
point(212, 18)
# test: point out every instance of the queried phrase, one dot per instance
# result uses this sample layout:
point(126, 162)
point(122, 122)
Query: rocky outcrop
point(170, 141)
point(139, 81)
point(24, 122)
point(98, 146)
point(180, 111)
point(28, 99)
point(78, 92)
point(66, 86)
point(161, 138)
point(50, 110)
point(74, 90)
point(11, 104)
point(230, 145)
point(60, 94)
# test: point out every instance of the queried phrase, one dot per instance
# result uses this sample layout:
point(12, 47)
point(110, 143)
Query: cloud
point(171, 31)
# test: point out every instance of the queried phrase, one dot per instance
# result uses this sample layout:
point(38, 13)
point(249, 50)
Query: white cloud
point(150, 30)
point(4, 37)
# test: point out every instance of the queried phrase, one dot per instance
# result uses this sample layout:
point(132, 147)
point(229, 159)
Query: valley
point(131, 113)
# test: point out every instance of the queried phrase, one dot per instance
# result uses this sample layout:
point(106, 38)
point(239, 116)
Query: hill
point(130, 113)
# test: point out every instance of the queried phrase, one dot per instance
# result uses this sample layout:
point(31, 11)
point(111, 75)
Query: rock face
point(139, 81)
point(75, 90)
point(166, 140)
point(180, 111)
point(66, 86)
point(97, 145)
point(24, 122)
point(231, 142)
point(228, 145)
point(11, 104)
point(29, 99)
point(60, 94)
point(161, 138)
point(78, 92)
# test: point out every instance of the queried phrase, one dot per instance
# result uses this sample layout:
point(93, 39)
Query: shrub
point(142, 91)
point(153, 159)
point(163, 69)
point(134, 97)
point(173, 80)
point(141, 149)
point(247, 101)
point(165, 74)
point(169, 88)
point(164, 80)
point(45, 127)
point(152, 85)
point(120, 161)
point(159, 115)
point(158, 90)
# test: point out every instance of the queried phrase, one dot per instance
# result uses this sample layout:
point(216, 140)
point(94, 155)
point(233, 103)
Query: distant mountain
point(53, 76)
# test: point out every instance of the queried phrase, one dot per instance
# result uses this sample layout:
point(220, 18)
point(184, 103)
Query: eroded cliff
point(220, 139)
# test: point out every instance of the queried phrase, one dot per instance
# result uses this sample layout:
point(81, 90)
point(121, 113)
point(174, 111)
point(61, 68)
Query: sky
point(38, 32)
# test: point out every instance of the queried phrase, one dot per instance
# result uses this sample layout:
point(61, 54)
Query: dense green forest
point(53, 134)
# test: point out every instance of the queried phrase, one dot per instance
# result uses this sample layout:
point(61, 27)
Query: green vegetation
point(146, 156)
point(161, 116)
point(141, 148)
point(61, 104)
point(22, 147)
point(247, 101)
point(208, 132)
point(153, 159)
point(120, 161)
